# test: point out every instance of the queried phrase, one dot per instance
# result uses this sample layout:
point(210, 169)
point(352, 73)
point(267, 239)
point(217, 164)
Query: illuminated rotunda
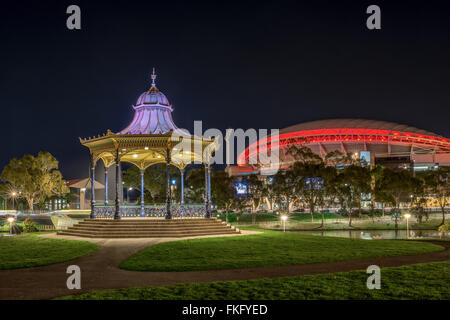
point(151, 138)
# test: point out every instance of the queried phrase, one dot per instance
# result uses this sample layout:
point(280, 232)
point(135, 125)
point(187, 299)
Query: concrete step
point(147, 233)
point(101, 230)
point(143, 228)
point(144, 235)
point(148, 220)
point(137, 225)
point(119, 222)
point(147, 228)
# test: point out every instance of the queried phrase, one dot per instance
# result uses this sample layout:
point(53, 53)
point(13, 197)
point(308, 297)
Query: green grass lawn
point(270, 248)
point(419, 282)
point(29, 250)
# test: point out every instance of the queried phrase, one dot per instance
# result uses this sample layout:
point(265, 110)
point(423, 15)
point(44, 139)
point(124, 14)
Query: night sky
point(232, 64)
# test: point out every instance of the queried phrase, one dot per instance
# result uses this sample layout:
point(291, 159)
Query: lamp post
point(407, 216)
point(10, 220)
point(13, 197)
point(128, 194)
point(284, 218)
point(173, 185)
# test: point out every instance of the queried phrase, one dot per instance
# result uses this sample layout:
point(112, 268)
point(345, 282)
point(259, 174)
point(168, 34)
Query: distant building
point(379, 142)
point(81, 187)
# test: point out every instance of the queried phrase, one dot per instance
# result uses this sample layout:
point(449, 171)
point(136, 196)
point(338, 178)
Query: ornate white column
point(207, 207)
point(142, 194)
point(117, 202)
point(168, 191)
point(182, 193)
point(106, 186)
point(209, 190)
point(92, 216)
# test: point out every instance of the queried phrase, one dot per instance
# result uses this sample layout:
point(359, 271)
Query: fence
point(155, 211)
point(45, 227)
point(341, 221)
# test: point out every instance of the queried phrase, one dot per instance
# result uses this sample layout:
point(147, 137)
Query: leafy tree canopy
point(35, 178)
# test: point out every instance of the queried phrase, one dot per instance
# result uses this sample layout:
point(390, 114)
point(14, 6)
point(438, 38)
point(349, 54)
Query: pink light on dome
point(153, 113)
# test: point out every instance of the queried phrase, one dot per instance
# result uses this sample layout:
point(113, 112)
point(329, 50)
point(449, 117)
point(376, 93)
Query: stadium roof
point(355, 124)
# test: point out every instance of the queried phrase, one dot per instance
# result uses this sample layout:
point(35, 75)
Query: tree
point(255, 192)
point(9, 192)
point(334, 158)
point(443, 229)
point(309, 183)
point(267, 192)
point(222, 191)
point(399, 186)
point(36, 178)
point(353, 182)
point(328, 175)
point(437, 183)
point(283, 187)
point(380, 188)
point(319, 182)
point(195, 182)
point(304, 175)
point(155, 180)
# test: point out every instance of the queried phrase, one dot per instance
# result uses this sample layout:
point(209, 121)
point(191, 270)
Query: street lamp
point(284, 218)
point(13, 197)
point(407, 216)
point(128, 194)
point(10, 220)
point(173, 185)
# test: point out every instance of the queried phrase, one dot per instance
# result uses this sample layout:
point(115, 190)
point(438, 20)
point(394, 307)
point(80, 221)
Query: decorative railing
point(155, 210)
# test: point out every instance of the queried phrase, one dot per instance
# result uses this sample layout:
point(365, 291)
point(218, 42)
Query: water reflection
point(376, 234)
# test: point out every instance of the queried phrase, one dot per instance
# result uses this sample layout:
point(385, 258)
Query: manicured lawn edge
point(269, 249)
point(427, 281)
point(30, 250)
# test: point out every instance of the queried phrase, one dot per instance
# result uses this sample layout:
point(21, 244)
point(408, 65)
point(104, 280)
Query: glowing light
point(241, 188)
point(284, 218)
point(346, 135)
point(11, 219)
point(135, 155)
point(407, 216)
point(146, 148)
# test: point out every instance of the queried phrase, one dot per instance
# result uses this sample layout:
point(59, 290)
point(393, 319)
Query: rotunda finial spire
point(153, 78)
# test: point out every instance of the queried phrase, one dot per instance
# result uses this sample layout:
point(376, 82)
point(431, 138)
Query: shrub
point(443, 229)
point(16, 229)
point(231, 217)
point(29, 226)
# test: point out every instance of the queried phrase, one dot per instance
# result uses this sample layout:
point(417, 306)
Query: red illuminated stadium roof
point(352, 130)
point(355, 124)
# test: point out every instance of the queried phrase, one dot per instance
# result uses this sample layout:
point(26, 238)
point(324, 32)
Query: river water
point(377, 234)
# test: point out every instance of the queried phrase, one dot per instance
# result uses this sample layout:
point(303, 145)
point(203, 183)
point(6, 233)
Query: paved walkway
point(99, 270)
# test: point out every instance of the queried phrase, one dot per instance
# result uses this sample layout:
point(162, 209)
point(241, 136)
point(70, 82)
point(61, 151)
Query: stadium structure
point(378, 142)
